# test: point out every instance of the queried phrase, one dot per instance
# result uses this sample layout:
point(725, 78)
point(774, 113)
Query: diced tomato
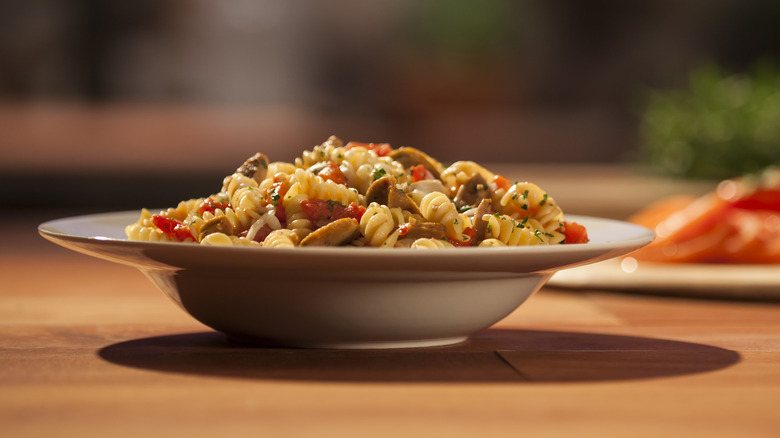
point(332, 172)
point(281, 214)
point(501, 182)
point(420, 173)
point(277, 192)
point(323, 212)
point(211, 205)
point(575, 233)
point(381, 149)
point(469, 234)
point(356, 211)
point(172, 228)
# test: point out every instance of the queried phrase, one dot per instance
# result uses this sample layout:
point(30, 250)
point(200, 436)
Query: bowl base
point(353, 345)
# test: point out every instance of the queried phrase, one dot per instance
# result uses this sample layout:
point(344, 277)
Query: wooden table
point(90, 348)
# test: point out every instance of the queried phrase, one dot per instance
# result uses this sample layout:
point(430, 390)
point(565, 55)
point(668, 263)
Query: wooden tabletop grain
point(91, 348)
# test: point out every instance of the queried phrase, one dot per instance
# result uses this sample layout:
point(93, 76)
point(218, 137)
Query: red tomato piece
point(575, 233)
point(469, 233)
point(332, 172)
point(172, 227)
point(277, 192)
point(211, 205)
point(501, 182)
point(355, 211)
point(419, 173)
point(281, 214)
point(323, 212)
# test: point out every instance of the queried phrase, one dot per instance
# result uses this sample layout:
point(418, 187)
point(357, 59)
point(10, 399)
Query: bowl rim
point(606, 244)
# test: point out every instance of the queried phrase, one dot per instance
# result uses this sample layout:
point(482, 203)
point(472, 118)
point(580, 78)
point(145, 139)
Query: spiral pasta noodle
point(513, 233)
point(461, 171)
point(281, 238)
point(144, 230)
point(296, 217)
point(437, 207)
point(222, 239)
point(362, 195)
point(330, 150)
point(378, 225)
point(528, 199)
point(317, 188)
point(430, 243)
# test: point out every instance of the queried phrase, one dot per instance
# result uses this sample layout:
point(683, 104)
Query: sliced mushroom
point(480, 225)
point(337, 233)
point(397, 198)
point(256, 167)
point(418, 229)
point(218, 224)
point(383, 191)
point(410, 157)
point(379, 191)
point(472, 192)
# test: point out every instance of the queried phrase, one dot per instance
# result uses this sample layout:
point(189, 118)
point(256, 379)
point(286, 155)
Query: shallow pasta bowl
point(343, 297)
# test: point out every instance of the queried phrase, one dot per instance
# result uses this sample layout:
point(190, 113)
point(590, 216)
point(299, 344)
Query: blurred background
point(108, 104)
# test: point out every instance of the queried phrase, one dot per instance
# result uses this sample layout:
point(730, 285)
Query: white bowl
point(343, 297)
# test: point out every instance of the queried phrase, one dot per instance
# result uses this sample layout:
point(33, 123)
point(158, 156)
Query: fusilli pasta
point(396, 197)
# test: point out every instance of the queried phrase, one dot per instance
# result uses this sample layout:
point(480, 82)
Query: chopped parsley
point(522, 224)
point(333, 204)
point(378, 173)
point(275, 197)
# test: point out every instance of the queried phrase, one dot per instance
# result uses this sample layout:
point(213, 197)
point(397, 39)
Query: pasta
point(429, 243)
point(222, 239)
point(378, 226)
point(513, 233)
point(281, 238)
point(461, 171)
point(363, 195)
